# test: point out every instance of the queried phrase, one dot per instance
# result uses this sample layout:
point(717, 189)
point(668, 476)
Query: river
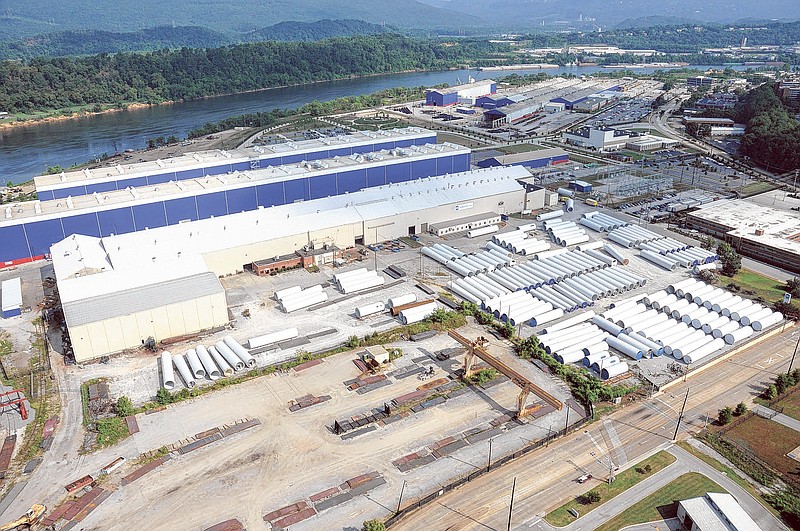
point(27, 151)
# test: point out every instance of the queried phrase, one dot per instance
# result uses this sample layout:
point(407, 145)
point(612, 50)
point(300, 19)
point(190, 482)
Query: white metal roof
point(718, 512)
point(201, 159)
point(56, 208)
point(136, 257)
point(781, 228)
point(140, 298)
point(11, 293)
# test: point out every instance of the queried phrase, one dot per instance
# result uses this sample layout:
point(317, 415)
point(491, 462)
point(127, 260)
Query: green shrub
point(741, 409)
point(725, 415)
point(164, 397)
point(373, 525)
point(124, 406)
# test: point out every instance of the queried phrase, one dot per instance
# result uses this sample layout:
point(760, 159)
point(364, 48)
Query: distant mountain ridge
point(67, 43)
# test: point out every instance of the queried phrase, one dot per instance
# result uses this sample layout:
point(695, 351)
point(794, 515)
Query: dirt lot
point(789, 405)
point(769, 441)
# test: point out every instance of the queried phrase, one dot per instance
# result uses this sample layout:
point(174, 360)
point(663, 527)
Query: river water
point(26, 151)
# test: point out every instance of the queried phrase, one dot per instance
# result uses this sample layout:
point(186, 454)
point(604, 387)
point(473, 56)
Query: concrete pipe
point(678, 332)
point(544, 255)
point(567, 342)
point(570, 205)
point(703, 320)
point(687, 348)
point(703, 352)
point(693, 337)
point(288, 291)
point(464, 294)
point(659, 260)
point(229, 356)
point(547, 317)
point(658, 295)
point(223, 365)
point(672, 288)
point(725, 329)
point(550, 215)
point(370, 309)
point(274, 337)
point(594, 358)
point(591, 224)
point(634, 299)
point(737, 335)
point(606, 325)
point(482, 231)
point(167, 374)
point(681, 292)
point(767, 321)
point(754, 315)
point(615, 254)
point(733, 304)
point(401, 300)
point(566, 332)
point(208, 364)
point(634, 342)
point(678, 309)
point(596, 254)
point(626, 348)
point(566, 323)
point(595, 348)
point(194, 363)
point(720, 320)
point(597, 366)
point(240, 351)
point(184, 371)
point(715, 295)
point(353, 273)
point(571, 356)
point(660, 304)
point(691, 312)
point(717, 305)
point(744, 310)
point(612, 371)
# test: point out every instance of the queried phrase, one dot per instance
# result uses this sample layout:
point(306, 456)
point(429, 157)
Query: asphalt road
point(546, 478)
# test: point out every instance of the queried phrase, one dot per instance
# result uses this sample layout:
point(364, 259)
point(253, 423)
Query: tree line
point(772, 135)
point(47, 84)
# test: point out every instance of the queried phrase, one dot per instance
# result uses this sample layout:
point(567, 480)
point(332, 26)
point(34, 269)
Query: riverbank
point(12, 121)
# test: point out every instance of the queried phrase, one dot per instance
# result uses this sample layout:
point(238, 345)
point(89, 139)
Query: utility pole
point(402, 489)
point(511, 505)
point(566, 422)
point(791, 363)
point(489, 466)
point(680, 417)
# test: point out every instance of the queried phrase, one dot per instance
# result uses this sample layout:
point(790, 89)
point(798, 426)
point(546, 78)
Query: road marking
point(619, 449)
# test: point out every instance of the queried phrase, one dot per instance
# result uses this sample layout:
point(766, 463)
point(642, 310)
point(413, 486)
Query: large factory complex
point(137, 250)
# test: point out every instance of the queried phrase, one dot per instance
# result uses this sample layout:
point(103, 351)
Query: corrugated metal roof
point(141, 298)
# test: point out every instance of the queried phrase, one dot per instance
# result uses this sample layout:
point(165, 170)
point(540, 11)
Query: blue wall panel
point(404, 143)
point(244, 166)
point(444, 165)
point(340, 152)
point(43, 234)
point(398, 173)
point(15, 245)
point(295, 190)
point(460, 162)
point(209, 205)
point(352, 181)
point(149, 216)
point(376, 176)
point(181, 209)
point(71, 191)
point(117, 221)
point(270, 194)
point(270, 161)
point(241, 200)
point(423, 168)
point(133, 183)
point(323, 186)
point(160, 178)
point(384, 145)
point(101, 187)
point(190, 174)
point(85, 224)
point(45, 195)
point(291, 159)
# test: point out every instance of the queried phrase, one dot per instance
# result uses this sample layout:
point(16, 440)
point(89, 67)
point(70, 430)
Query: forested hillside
point(51, 84)
point(89, 42)
point(772, 136)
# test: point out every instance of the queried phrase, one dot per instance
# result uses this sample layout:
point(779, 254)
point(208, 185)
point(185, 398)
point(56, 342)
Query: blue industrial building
point(451, 95)
point(27, 231)
point(201, 164)
point(529, 159)
point(494, 102)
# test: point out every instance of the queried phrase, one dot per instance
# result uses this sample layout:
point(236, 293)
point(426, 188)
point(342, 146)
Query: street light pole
point(402, 489)
point(489, 466)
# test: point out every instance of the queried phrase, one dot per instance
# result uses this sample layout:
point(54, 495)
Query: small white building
point(715, 512)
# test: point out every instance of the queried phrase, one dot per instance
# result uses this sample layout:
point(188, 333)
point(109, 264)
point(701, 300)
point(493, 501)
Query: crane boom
point(527, 387)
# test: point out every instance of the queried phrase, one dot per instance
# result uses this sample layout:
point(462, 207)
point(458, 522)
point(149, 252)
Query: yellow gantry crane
point(475, 349)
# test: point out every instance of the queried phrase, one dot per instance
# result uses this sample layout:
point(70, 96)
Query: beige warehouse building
point(119, 290)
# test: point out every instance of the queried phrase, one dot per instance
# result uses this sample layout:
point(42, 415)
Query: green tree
point(124, 406)
point(591, 497)
point(373, 525)
point(772, 392)
point(741, 409)
point(725, 415)
point(730, 259)
point(793, 286)
point(353, 342)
